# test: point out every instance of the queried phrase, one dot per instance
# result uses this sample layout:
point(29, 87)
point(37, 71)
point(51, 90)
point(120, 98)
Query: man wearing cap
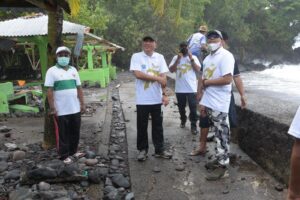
point(65, 99)
point(197, 42)
point(149, 69)
point(216, 85)
point(204, 122)
point(186, 67)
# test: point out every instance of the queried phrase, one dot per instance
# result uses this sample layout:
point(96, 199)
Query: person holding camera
point(186, 67)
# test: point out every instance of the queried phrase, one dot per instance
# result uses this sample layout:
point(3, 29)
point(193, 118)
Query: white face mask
point(214, 46)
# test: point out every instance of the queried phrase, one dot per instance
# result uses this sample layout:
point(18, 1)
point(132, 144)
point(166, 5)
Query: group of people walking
point(204, 84)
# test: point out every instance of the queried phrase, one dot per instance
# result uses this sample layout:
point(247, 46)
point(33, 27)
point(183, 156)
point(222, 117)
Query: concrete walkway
point(247, 181)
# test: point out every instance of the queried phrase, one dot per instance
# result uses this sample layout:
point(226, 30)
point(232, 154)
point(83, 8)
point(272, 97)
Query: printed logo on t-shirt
point(153, 72)
point(184, 68)
point(209, 71)
point(143, 66)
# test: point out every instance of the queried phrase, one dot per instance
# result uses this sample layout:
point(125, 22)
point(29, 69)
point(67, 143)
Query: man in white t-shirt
point(65, 99)
point(186, 67)
point(197, 42)
point(294, 185)
point(216, 82)
point(150, 70)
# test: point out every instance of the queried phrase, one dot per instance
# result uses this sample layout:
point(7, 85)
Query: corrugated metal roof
point(34, 26)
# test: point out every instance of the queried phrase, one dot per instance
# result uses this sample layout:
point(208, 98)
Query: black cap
point(224, 35)
point(150, 38)
point(214, 34)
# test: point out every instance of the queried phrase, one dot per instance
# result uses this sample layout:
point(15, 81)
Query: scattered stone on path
point(180, 167)
point(13, 174)
point(4, 156)
point(156, 169)
point(91, 162)
point(226, 191)
point(11, 146)
point(18, 155)
point(279, 187)
point(120, 181)
point(20, 193)
point(108, 182)
point(90, 154)
point(3, 166)
point(44, 186)
point(4, 129)
point(129, 196)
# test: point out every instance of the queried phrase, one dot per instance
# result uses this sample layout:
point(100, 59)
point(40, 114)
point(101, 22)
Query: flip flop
point(79, 155)
point(197, 152)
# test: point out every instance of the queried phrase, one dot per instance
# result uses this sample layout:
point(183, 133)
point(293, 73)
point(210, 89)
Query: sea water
point(282, 81)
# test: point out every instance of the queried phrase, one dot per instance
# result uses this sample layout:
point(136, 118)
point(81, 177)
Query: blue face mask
point(63, 61)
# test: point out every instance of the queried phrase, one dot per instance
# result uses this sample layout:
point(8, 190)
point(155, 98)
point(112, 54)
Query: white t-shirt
point(186, 79)
point(295, 126)
point(215, 66)
point(147, 92)
point(64, 84)
point(196, 41)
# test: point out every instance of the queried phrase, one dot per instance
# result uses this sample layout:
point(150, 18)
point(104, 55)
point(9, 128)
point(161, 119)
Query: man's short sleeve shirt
point(186, 78)
point(64, 84)
point(295, 126)
point(215, 66)
point(197, 40)
point(148, 92)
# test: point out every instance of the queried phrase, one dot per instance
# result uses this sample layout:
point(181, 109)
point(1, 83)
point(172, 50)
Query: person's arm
point(165, 99)
point(147, 77)
point(173, 67)
point(195, 66)
point(50, 98)
point(240, 87)
point(199, 88)
point(224, 80)
point(80, 97)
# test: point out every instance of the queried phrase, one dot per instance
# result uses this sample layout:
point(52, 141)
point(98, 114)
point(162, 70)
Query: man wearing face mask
point(214, 105)
point(186, 67)
point(65, 97)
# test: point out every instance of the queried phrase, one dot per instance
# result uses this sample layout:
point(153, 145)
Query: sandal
point(79, 155)
point(68, 160)
point(198, 152)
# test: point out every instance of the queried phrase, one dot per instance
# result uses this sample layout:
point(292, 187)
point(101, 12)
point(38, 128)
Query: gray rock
point(50, 195)
point(108, 182)
point(115, 162)
point(84, 183)
point(82, 160)
point(279, 187)
point(11, 146)
point(3, 166)
point(108, 189)
point(129, 196)
point(13, 174)
point(156, 169)
point(43, 186)
point(180, 167)
point(18, 155)
point(20, 194)
point(41, 173)
point(91, 162)
point(95, 176)
point(120, 181)
point(4, 129)
point(90, 154)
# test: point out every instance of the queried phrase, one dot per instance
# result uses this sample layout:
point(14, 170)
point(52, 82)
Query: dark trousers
point(232, 113)
point(182, 98)
point(69, 130)
point(143, 112)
